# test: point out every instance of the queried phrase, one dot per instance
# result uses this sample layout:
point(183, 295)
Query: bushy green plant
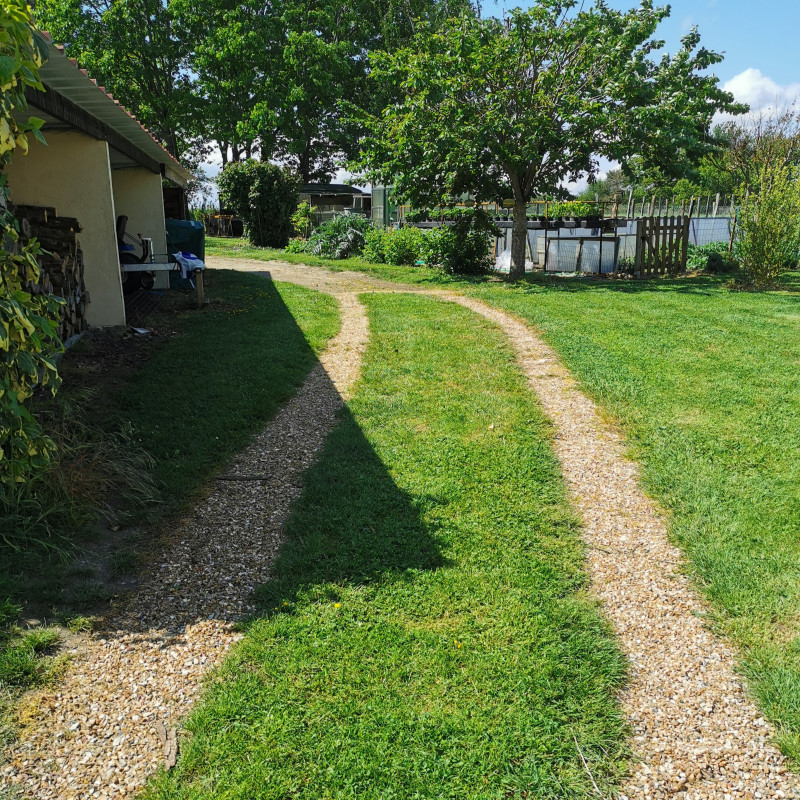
point(341, 236)
point(462, 248)
point(296, 245)
point(404, 246)
point(28, 323)
point(265, 196)
point(199, 213)
point(713, 257)
point(374, 241)
point(768, 225)
point(303, 219)
point(573, 209)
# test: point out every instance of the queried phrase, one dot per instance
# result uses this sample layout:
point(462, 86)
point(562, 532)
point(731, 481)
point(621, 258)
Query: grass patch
point(704, 381)
point(22, 662)
point(426, 634)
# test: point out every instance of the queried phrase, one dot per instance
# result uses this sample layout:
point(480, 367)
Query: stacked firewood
point(61, 262)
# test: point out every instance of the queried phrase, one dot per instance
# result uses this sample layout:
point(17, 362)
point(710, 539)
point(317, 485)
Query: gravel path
point(697, 736)
point(103, 730)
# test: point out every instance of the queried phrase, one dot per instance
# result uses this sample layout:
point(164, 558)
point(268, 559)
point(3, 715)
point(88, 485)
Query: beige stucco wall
point(137, 194)
point(72, 174)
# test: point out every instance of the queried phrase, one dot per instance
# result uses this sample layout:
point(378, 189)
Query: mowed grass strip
point(427, 634)
point(240, 248)
point(705, 382)
point(202, 395)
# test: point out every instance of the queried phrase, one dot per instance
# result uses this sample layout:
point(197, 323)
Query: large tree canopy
point(517, 106)
point(252, 77)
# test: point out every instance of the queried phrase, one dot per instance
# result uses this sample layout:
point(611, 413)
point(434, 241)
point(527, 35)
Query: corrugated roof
point(64, 76)
point(330, 188)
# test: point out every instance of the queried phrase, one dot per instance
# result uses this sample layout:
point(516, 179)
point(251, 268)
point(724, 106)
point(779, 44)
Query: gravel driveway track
point(697, 736)
point(100, 733)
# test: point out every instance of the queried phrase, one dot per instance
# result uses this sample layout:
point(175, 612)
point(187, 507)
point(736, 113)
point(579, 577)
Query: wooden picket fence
point(662, 245)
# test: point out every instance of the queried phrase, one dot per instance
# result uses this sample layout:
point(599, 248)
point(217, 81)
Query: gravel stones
point(111, 722)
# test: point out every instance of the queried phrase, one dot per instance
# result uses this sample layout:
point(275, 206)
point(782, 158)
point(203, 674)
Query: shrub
point(265, 196)
point(303, 219)
point(199, 213)
point(713, 257)
point(374, 245)
point(341, 236)
point(404, 246)
point(768, 225)
point(28, 323)
point(462, 248)
point(296, 245)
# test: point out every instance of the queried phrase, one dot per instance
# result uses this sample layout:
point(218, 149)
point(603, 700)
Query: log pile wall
point(61, 262)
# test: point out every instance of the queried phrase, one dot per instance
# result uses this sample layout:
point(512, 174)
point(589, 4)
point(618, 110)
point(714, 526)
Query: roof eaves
point(151, 146)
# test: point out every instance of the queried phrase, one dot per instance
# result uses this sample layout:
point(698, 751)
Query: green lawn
point(704, 382)
point(427, 633)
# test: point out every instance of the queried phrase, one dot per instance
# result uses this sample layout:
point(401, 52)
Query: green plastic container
point(188, 235)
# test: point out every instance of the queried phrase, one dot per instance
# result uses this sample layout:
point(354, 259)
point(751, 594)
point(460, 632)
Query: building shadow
point(352, 525)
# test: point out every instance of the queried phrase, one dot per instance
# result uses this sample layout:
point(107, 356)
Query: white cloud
point(760, 92)
point(604, 167)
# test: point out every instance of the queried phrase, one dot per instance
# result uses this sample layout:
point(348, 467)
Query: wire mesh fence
point(598, 251)
point(560, 238)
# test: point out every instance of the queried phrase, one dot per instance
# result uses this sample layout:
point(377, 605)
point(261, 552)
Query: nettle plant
point(28, 323)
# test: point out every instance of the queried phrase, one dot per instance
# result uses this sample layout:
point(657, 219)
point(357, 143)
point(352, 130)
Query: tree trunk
point(519, 240)
point(304, 164)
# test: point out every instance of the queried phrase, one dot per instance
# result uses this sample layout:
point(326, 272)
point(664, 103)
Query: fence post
point(735, 218)
point(639, 254)
point(685, 242)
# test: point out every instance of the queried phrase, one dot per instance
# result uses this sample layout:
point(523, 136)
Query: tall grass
point(94, 473)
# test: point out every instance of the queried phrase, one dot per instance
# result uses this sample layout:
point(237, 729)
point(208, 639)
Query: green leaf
point(7, 69)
